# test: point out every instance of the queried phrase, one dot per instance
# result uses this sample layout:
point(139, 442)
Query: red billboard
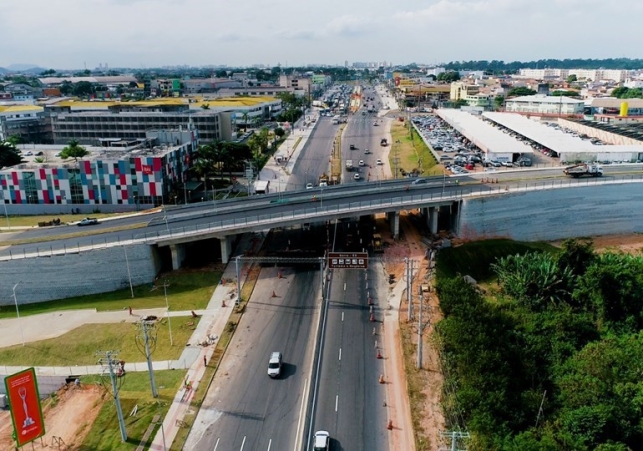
point(24, 399)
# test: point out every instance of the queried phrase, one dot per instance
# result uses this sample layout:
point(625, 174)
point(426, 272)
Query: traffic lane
point(251, 409)
point(350, 397)
point(313, 160)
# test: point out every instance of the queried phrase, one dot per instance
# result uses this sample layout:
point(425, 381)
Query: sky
point(74, 34)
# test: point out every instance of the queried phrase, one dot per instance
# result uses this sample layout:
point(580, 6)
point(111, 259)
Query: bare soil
point(69, 419)
point(631, 244)
point(425, 385)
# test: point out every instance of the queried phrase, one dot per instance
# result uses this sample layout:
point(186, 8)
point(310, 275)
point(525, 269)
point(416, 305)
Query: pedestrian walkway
point(212, 324)
point(279, 173)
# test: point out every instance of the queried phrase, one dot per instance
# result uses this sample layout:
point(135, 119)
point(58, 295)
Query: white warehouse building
point(542, 104)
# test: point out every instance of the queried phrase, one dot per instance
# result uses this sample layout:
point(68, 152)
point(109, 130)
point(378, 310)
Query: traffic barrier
point(274, 295)
point(379, 354)
point(389, 426)
point(279, 276)
point(372, 318)
point(370, 300)
point(223, 303)
point(381, 378)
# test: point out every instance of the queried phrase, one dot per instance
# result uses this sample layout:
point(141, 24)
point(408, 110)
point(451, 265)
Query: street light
point(15, 300)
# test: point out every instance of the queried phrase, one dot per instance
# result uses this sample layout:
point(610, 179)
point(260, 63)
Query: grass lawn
point(185, 291)
point(104, 434)
point(475, 258)
point(411, 150)
point(79, 346)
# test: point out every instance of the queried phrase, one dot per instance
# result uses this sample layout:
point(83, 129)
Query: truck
point(87, 222)
point(580, 170)
point(384, 142)
point(349, 165)
point(377, 243)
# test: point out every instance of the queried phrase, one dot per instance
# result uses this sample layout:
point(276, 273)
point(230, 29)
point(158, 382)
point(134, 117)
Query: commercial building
point(127, 173)
point(545, 105)
point(29, 122)
point(617, 75)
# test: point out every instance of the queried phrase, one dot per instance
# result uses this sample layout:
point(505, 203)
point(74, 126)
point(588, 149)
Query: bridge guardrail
point(309, 214)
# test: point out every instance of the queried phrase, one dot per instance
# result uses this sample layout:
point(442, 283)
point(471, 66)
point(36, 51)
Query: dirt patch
point(68, 417)
point(631, 244)
point(425, 384)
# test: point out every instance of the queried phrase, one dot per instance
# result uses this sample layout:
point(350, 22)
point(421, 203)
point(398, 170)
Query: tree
point(9, 155)
point(66, 87)
point(572, 78)
point(48, 72)
point(521, 91)
point(432, 77)
point(205, 106)
point(83, 88)
point(73, 150)
point(244, 117)
point(449, 77)
point(498, 101)
point(460, 103)
point(279, 132)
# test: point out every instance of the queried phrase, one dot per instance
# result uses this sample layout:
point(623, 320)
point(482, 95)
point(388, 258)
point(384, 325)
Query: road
point(313, 160)
point(245, 409)
point(350, 399)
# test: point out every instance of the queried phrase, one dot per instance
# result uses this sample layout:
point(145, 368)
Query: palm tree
point(73, 150)
point(244, 117)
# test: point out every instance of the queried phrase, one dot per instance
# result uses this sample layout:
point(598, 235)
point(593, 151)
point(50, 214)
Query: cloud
point(350, 26)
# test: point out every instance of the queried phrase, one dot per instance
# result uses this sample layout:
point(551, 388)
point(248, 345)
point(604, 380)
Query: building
point(545, 105)
point(121, 80)
point(610, 106)
point(460, 90)
point(145, 173)
point(29, 122)
point(298, 83)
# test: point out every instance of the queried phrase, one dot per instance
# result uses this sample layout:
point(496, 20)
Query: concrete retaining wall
point(554, 214)
point(58, 277)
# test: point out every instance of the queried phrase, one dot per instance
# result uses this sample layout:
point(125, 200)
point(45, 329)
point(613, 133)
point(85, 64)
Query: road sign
point(24, 399)
point(348, 260)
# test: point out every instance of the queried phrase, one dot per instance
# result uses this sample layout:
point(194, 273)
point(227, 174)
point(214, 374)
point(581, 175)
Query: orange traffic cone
point(381, 378)
point(223, 303)
point(372, 318)
point(279, 276)
point(389, 426)
point(379, 354)
point(274, 295)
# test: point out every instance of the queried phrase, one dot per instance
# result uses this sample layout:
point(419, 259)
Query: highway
point(314, 157)
point(245, 409)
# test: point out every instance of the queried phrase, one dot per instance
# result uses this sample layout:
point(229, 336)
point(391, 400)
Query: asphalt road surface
point(246, 409)
point(313, 159)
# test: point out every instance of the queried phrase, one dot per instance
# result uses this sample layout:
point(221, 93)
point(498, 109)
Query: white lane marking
point(342, 317)
point(367, 285)
point(243, 443)
point(336, 402)
point(340, 353)
point(269, 444)
point(301, 409)
point(344, 286)
point(216, 445)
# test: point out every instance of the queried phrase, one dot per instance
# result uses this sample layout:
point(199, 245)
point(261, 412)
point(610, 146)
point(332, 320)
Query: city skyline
point(145, 33)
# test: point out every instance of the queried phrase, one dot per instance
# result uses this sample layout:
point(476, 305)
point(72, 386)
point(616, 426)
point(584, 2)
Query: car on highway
point(352, 147)
point(419, 182)
point(375, 123)
point(367, 152)
point(87, 221)
point(379, 162)
point(357, 177)
point(309, 186)
point(274, 364)
point(321, 441)
point(361, 163)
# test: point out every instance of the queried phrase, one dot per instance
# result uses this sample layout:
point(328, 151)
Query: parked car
point(379, 162)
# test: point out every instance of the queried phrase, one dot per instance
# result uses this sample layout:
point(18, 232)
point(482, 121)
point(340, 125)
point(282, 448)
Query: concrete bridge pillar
point(178, 255)
point(226, 247)
point(432, 219)
point(394, 224)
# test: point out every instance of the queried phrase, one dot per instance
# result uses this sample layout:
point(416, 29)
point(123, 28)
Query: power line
point(112, 365)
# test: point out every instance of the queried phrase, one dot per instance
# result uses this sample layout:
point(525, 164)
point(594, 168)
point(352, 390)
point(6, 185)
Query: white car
point(379, 162)
point(361, 162)
point(321, 441)
point(274, 365)
point(357, 177)
point(309, 186)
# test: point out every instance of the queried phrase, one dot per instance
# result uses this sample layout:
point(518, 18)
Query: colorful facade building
point(146, 174)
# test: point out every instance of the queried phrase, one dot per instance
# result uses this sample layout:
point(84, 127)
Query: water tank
point(624, 108)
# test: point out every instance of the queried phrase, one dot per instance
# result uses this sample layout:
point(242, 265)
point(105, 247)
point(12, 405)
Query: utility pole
point(236, 265)
point(167, 309)
point(409, 295)
point(454, 436)
point(144, 328)
point(421, 327)
point(111, 363)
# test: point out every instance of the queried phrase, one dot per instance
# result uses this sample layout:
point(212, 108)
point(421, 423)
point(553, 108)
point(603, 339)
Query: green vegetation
point(411, 150)
point(475, 259)
point(185, 291)
point(32, 221)
point(73, 150)
point(448, 77)
point(78, 347)
point(520, 91)
point(104, 434)
point(627, 93)
point(9, 154)
point(555, 362)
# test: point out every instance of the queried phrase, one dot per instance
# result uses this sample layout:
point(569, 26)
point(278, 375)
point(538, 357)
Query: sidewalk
point(278, 174)
point(212, 324)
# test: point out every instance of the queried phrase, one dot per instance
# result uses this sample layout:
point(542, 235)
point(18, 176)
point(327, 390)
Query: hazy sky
point(147, 33)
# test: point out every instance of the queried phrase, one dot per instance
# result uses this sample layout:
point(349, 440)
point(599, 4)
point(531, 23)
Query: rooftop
point(482, 134)
point(546, 99)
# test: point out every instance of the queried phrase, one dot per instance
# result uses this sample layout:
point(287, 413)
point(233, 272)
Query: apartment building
point(545, 105)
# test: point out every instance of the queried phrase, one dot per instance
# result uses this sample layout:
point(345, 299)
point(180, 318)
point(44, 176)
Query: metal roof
point(553, 139)
point(485, 136)
point(613, 102)
point(539, 98)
